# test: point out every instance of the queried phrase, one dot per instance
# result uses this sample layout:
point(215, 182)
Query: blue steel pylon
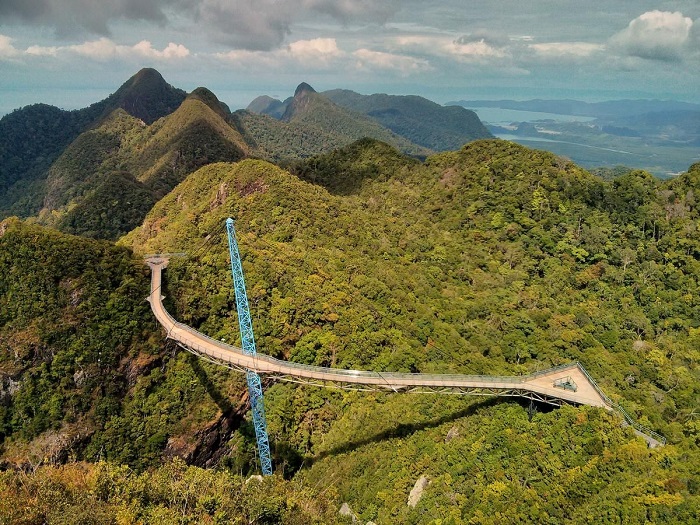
point(255, 391)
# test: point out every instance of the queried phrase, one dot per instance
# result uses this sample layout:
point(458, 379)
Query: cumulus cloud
point(100, 50)
point(369, 59)
point(7, 50)
point(655, 35)
point(563, 49)
point(320, 49)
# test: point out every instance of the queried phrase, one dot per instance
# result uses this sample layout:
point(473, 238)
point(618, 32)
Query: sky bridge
point(565, 384)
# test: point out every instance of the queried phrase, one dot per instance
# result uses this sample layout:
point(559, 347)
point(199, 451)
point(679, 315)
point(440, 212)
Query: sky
point(71, 53)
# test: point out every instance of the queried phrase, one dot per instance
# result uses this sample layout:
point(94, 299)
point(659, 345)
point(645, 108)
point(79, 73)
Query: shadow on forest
point(406, 429)
point(402, 430)
point(227, 409)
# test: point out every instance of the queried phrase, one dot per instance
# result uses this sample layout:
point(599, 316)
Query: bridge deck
point(574, 385)
point(539, 385)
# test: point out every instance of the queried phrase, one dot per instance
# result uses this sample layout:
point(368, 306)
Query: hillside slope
point(420, 120)
point(32, 138)
point(491, 259)
point(105, 182)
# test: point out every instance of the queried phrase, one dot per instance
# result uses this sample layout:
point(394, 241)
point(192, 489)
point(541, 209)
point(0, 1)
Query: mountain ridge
point(422, 121)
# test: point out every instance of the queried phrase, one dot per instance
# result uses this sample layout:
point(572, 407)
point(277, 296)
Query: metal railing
point(620, 410)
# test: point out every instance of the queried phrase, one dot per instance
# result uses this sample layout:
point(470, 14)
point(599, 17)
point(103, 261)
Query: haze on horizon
point(71, 53)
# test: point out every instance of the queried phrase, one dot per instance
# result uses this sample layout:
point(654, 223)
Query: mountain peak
point(303, 88)
point(211, 100)
point(147, 75)
point(146, 96)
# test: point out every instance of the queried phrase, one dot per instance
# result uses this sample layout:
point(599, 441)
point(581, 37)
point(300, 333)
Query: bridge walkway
point(566, 384)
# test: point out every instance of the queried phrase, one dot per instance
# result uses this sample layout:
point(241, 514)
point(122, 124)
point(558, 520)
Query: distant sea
point(499, 117)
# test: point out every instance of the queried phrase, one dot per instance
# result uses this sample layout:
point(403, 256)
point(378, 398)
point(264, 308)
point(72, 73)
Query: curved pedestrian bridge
point(566, 384)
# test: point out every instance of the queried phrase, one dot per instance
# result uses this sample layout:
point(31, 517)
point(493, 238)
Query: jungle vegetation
point(491, 259)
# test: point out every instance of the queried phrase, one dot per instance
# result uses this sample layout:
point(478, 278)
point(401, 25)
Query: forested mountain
point(97, 171)
point(422, 121)
point(32, 138)
point(414, 118)
point(316, 112)
point(105, 182)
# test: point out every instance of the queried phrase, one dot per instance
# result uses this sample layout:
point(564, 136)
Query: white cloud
point(563, 49)
point(104, 49)
point(324, 49)
point(42, 51)
point(474, 50)
point(171, 51)
point(314, 54)
point(324, 54)
point(655, 35)
point(7, 50)
point(369, 59)
point(463, 49)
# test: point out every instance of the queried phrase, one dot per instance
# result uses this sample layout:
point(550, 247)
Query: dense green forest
point(439, 128)
point(64, 166)
point(32, 138)
point(493, 259)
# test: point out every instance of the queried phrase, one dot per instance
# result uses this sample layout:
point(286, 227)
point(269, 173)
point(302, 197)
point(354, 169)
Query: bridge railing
point(356, 374)
point(620, 410)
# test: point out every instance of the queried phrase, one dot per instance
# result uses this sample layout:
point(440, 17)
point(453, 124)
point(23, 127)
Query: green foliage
point(174, 493)
point(71, 311)
point(417, 119)
point(116, 205)
point(492, 259)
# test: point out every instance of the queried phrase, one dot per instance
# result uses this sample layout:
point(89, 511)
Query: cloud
point(355, 10)
point(104, 49)
point(238, 24)
point(7, 50)
point(470, 49)
point(319, 49)
point(242, 24)
point(317, 53)
point(655, 35)
point(101, 50)
point(563, 49)
point(70, 17)
point(467, 49)
point(369, 59)
point(324, 54)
